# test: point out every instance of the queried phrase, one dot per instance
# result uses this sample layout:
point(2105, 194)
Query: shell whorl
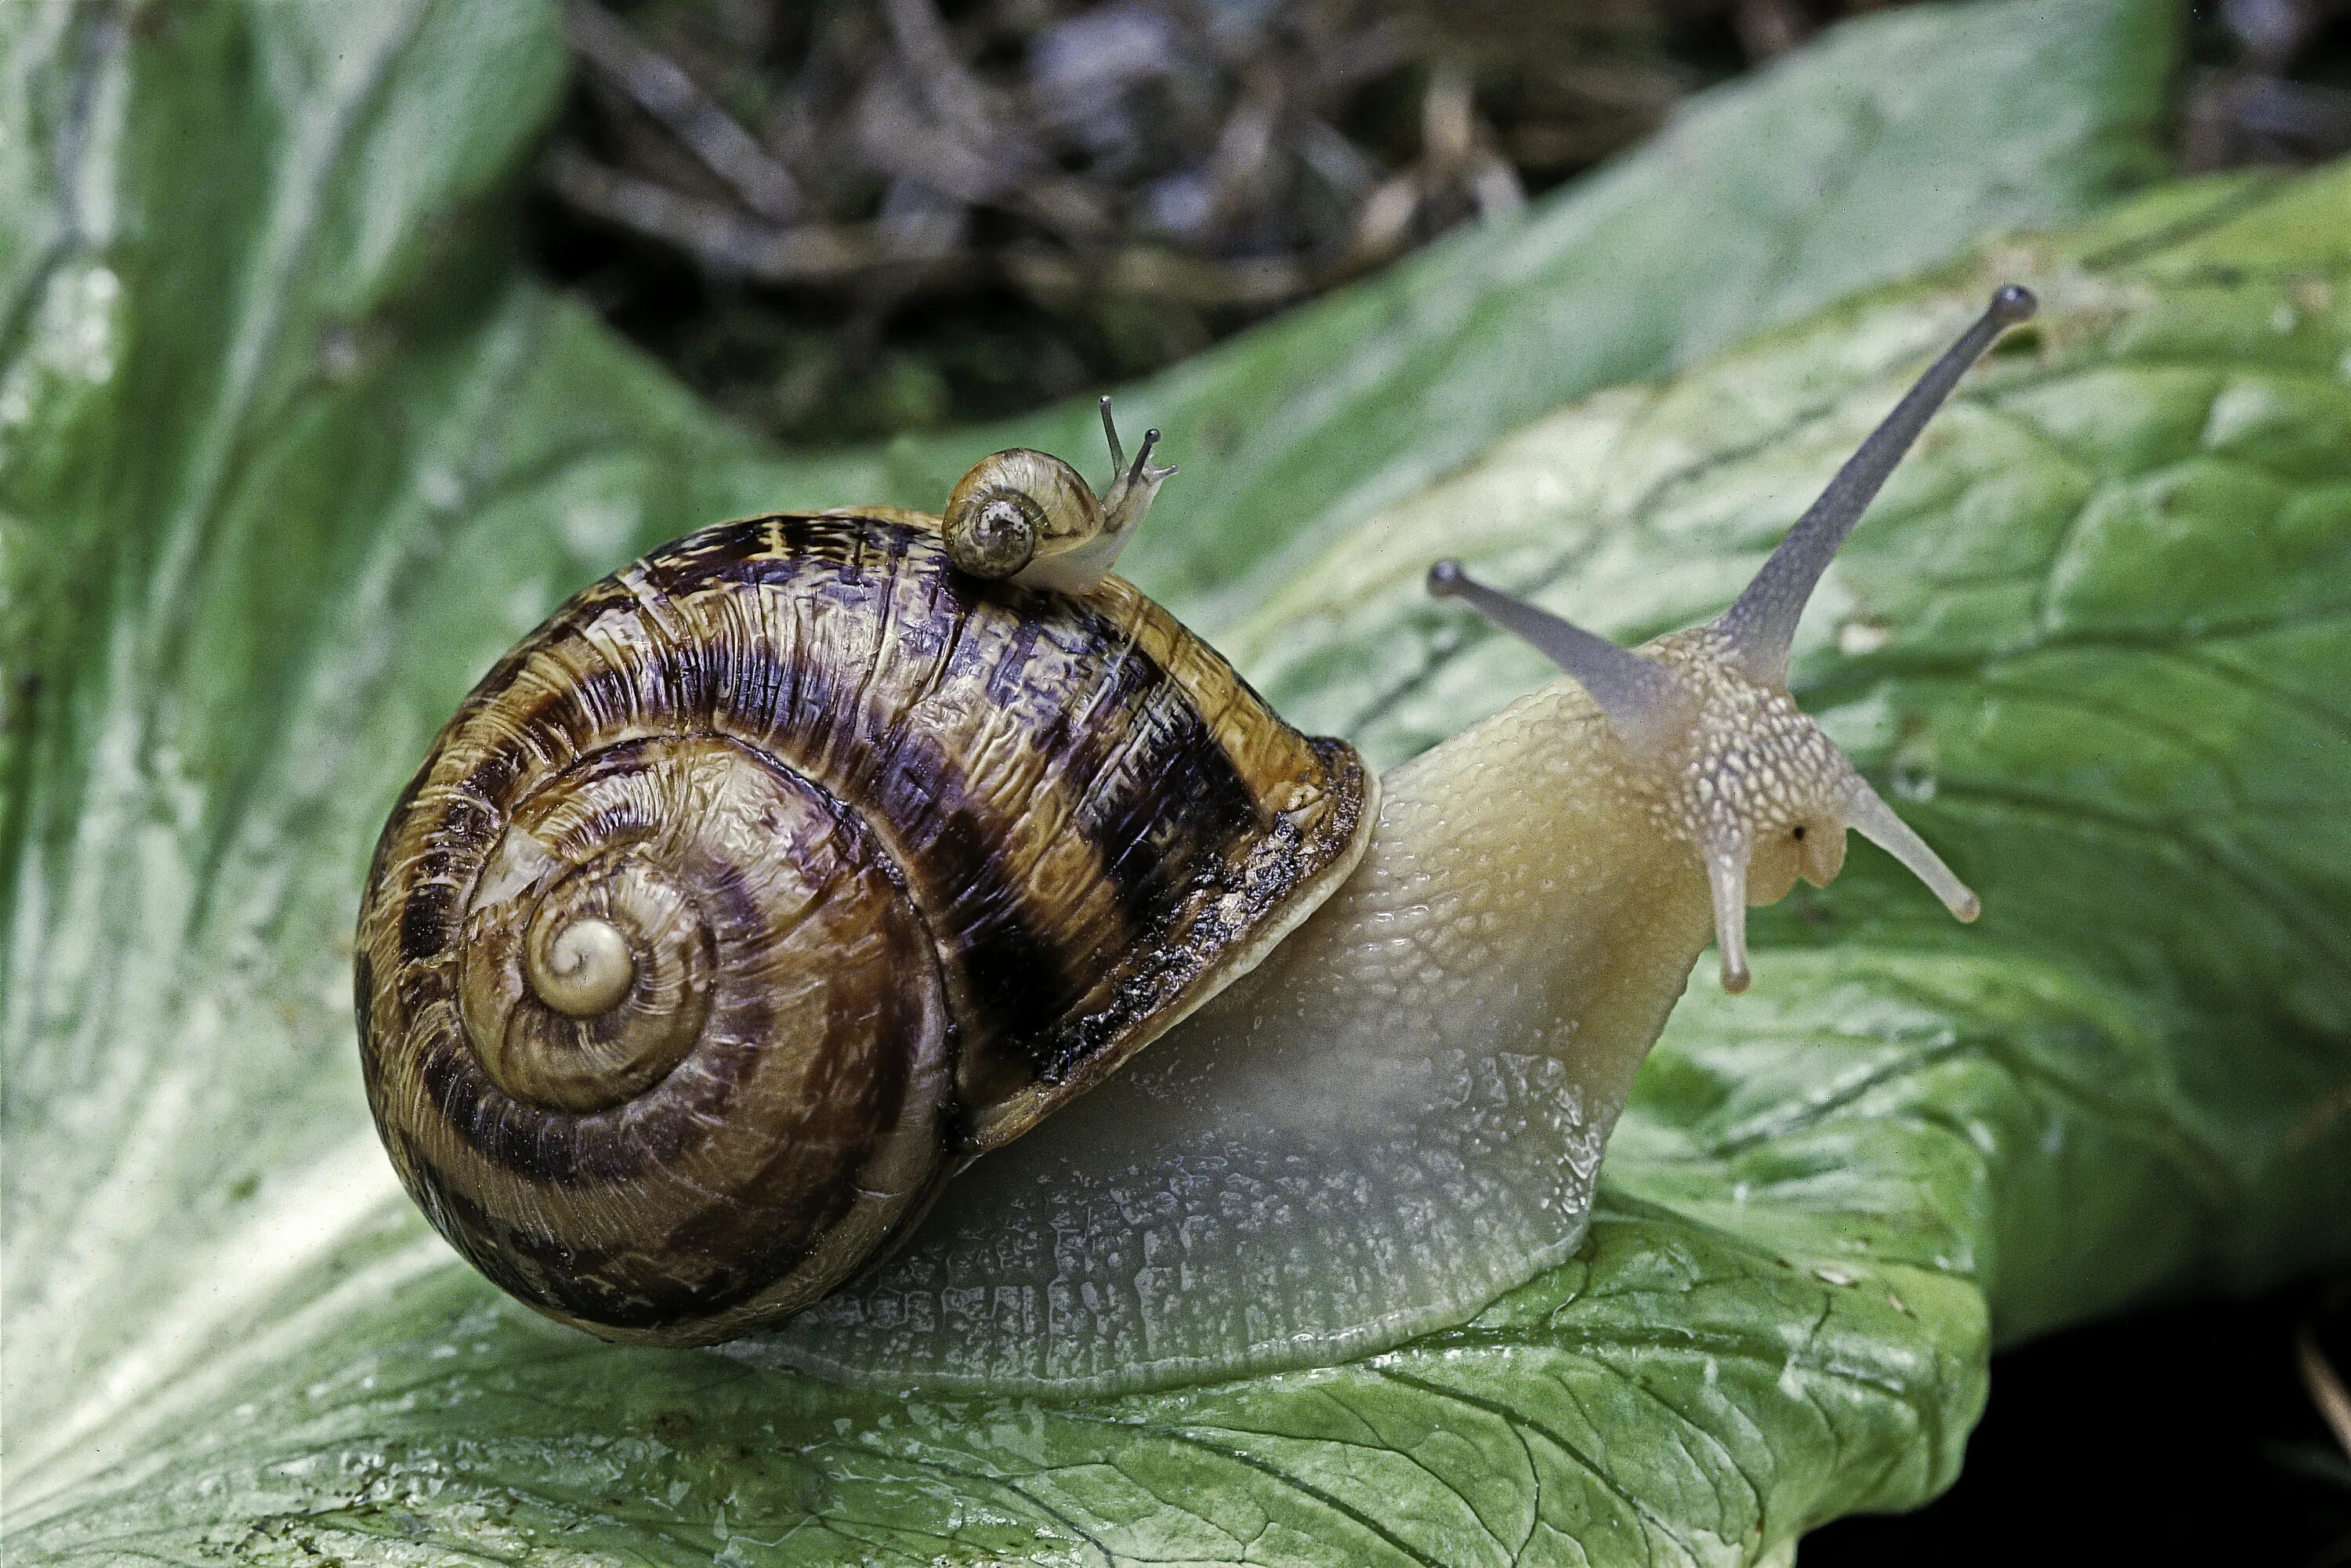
point(1014, 507)
point(777, 875)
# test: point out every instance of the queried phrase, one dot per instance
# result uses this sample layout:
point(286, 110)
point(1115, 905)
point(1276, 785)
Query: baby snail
point(791, 868)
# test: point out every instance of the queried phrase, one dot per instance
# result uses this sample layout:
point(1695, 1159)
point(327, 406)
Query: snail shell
point(1013, 507)
point(782, 873)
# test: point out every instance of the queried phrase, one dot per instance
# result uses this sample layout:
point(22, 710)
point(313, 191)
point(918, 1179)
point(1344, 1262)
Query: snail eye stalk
point(1133, 484)
point(1639, 695)
point(1743, 776)
point(1760, 625)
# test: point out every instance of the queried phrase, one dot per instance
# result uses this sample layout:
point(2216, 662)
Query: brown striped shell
point(781, 872)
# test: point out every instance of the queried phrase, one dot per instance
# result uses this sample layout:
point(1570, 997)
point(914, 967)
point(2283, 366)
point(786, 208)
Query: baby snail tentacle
point(1030, 518)
point(1704, 717)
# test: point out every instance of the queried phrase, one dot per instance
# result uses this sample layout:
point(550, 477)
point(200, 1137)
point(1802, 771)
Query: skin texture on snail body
point(1400, 1113)
point(783, 872)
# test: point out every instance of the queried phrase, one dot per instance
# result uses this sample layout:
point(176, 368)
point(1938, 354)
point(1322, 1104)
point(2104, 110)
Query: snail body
point(1398, 1020)
point(1395, 1118)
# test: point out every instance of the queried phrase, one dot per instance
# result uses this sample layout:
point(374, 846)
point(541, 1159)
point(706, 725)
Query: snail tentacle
point(1761, 624)
point(1869, 814)
point(1639, 695)
point(1754, 787)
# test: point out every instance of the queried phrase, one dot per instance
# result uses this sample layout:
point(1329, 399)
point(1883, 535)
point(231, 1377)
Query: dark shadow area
point(2186, 1437)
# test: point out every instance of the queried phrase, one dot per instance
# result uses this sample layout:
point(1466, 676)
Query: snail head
point(1704, 716)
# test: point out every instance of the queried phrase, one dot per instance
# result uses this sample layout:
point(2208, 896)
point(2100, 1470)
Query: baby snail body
point(791, 869)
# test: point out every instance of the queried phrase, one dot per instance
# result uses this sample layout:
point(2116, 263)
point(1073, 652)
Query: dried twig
point(911, 200)
point(660, 87)
point(954, 95)
point(1144, 273)
point(727, 242)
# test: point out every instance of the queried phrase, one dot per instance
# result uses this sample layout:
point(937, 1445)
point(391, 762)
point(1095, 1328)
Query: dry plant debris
point(848, 218)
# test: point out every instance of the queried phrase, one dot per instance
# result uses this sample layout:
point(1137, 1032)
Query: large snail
point(786, 870)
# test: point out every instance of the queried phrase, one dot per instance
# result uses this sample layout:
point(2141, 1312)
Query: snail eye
point(996, 539)
point(1800, 832)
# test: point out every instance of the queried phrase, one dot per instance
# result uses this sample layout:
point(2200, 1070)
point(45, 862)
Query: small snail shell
point(1029, 517)
point(1367, 1131)
point(783, 872)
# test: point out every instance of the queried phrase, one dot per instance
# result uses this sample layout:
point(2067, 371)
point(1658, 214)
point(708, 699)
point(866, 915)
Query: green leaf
point(288, 452)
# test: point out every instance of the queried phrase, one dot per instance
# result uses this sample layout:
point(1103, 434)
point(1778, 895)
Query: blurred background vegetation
point(856, 217)
point(849, 219)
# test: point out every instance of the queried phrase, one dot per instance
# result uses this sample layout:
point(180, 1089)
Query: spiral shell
point(1014, 507)
point(781, 872)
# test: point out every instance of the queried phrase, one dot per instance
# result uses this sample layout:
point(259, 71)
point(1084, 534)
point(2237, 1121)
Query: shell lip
point(1152, 1004)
